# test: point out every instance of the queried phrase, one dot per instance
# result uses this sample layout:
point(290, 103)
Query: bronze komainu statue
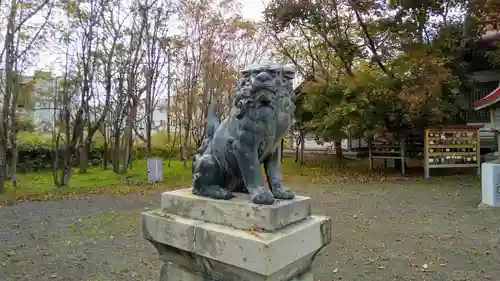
point(230, 156)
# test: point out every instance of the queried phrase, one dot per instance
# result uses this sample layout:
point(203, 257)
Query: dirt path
point(383, 231)
point(56, 240)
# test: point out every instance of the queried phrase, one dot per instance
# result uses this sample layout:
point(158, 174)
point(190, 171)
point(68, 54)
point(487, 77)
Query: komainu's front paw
point(213, 191)
point(263, 197)
point(283, 193)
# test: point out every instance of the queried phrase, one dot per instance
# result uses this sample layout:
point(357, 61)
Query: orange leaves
point(424, 78)
point(323, 169)
point(253, 231)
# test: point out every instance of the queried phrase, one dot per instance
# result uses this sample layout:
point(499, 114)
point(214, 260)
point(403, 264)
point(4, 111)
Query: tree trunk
point(55, 159)
point(127, 151)
point(116, 151)
point(148, 135)
point(185, 141)
point(338, 149)
point(67, 170)
point(56, 138)
point(13, 164)
point(105, 147)
point(3, 162)
point(181, 142)
point(168, 94)
point(84, 156)
point(149, 111)
point(14, 124)
point(127, 148)
point(9, 83)
point(297, 148)
point(302, 147)
point(172, 147)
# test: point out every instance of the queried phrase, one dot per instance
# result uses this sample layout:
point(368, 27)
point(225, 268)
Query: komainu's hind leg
point(207, 180)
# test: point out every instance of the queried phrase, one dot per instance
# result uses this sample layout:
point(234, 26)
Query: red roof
point(488, 100)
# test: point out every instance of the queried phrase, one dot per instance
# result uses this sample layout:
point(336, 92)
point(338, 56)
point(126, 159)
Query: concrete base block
point(238, 212)
point(490, 184)
point(482, 206)
point(198, 250)
point(172, 272)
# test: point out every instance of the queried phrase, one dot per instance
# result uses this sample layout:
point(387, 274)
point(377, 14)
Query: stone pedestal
point(490, 185)
point(202, 239)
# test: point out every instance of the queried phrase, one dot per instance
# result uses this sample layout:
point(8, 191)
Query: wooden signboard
point(451, 147)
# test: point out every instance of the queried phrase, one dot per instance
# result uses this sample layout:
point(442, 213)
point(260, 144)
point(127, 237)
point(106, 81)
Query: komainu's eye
point(288, 72)
point(289, 75)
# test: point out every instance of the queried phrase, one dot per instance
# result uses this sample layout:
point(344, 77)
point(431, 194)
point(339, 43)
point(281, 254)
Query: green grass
point(318, 170)
point(40, 185)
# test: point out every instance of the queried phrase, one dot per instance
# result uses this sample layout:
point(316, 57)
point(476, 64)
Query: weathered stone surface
point(169, 229)
point(223, 252)
point(172, 272)
point(237, 212)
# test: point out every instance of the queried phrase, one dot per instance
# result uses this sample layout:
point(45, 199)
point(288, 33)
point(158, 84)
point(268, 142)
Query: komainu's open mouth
point(264, 96)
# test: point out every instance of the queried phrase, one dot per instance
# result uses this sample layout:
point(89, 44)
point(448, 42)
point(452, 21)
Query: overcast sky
point(251, 9)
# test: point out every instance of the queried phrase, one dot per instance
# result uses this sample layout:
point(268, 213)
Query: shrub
point(35, 151)
point(161, 146)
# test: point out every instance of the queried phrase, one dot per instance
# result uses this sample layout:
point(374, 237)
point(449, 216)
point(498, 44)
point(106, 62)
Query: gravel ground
point(384, 231)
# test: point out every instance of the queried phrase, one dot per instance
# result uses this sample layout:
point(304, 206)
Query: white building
point(44, 114)
point(159, 122)
point(347, 144)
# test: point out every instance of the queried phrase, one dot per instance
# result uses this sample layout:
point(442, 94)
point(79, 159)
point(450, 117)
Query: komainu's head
point(267, 82)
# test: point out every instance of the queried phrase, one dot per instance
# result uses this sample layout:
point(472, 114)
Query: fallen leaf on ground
point(162, 214)
point(253, 231)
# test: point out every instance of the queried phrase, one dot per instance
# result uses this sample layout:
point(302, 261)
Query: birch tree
point(20, 38)
point(155, 16)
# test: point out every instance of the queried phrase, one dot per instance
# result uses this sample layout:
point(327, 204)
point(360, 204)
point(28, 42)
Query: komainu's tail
point(212, 120)
point(212, 123)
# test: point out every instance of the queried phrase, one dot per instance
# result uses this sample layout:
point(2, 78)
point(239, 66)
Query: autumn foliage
point(375, 67)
